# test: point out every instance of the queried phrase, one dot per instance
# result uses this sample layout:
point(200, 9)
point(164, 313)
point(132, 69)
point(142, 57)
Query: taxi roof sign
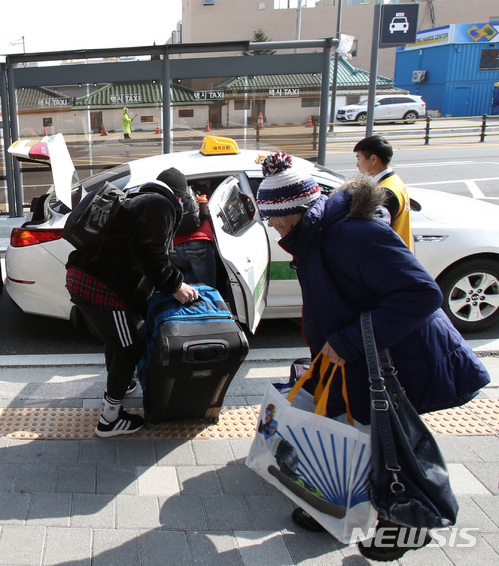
point(214, 145)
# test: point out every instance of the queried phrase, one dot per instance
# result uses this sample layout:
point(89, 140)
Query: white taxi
point(456, 238)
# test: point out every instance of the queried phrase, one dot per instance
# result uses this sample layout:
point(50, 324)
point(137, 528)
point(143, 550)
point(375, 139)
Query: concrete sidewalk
point(170, 497)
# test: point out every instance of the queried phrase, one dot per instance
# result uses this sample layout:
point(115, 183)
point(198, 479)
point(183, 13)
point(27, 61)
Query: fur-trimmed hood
point(358, 197)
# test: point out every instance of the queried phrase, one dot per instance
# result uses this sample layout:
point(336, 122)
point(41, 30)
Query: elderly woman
point(349, 261)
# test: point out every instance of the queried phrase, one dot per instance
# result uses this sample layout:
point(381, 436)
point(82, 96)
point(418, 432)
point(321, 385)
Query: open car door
point(243, 247)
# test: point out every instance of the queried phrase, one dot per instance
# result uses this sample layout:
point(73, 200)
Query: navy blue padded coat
point(349, 262)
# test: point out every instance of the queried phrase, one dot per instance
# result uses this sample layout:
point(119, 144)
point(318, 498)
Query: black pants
point(122, 345)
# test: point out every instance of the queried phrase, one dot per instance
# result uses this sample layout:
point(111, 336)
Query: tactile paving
point(79, 424)
point(478, 417)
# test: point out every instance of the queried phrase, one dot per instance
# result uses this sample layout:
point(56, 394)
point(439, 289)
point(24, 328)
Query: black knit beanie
point(175, 180)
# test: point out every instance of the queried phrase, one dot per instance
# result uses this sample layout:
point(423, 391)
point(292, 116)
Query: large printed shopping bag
point(321, 464)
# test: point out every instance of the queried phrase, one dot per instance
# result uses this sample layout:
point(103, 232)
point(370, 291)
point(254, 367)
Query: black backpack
point(190, 213)
point(88, 220)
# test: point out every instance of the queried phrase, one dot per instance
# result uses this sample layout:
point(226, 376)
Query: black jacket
point(132, 257)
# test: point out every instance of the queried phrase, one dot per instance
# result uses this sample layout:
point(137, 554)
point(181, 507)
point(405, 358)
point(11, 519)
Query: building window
point(310, 102)
point(261, 5)
point(209, 2)
point(186, 113)
point(242, 104)
point(489, 60)
point(147, 119)
point(47, 122)
point(293, 4)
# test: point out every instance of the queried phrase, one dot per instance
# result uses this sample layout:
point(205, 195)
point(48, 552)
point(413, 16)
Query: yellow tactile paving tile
point(79, 424)
point(478, 417)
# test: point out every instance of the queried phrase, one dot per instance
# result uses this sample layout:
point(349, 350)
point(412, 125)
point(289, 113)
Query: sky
point(60, 25)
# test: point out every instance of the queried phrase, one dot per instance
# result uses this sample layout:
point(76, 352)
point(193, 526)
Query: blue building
point(454, 68)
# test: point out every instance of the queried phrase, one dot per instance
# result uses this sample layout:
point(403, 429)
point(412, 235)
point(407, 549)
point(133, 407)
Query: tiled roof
point(141, 94)
point(41, 98)
point(136, 94)
point(350, 81)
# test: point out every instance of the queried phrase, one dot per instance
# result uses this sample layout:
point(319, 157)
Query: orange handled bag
point(320, 463)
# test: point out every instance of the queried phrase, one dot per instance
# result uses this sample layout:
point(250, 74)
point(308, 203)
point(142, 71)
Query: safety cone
point(310, 123)
point(260, 120)
point(207, 129)
point(44, 131)
point(158, 130)
point(104, 131)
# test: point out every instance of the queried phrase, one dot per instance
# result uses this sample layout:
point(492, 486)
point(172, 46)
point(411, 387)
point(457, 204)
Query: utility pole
point(298, 23)
point(332, 113)
point(373, 72)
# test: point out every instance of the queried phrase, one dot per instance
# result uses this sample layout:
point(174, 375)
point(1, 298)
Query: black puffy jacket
point(132, 257)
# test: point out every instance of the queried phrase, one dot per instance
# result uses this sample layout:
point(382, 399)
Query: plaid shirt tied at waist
point(91, 290)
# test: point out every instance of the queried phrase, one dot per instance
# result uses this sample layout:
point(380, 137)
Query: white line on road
point(473, 189)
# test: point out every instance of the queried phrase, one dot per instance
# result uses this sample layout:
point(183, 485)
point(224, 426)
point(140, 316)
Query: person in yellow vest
point(126, 120)
point(374, 154)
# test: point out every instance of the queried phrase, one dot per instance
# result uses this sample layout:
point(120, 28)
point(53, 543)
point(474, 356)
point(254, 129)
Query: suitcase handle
point(202, 351)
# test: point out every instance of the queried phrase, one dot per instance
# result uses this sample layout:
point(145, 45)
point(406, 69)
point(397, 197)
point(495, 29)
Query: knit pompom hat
point(284, 189)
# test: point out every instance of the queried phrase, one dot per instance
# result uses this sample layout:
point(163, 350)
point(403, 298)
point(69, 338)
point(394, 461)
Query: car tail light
point(20, 237)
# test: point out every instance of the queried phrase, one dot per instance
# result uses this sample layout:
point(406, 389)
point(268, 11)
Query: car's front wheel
point(410, 117)
point(362, 118)
point(471, 294)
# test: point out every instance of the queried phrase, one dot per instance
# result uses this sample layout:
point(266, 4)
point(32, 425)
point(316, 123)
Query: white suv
point(389, 108)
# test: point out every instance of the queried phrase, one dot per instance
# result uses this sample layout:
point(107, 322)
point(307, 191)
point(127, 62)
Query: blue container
point(454, 85)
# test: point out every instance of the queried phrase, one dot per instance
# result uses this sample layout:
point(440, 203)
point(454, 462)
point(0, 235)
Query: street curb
point(284, 355)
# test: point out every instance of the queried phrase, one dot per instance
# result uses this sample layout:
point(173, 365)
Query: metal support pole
point(7, 141)
point(167, 103)
point(18, 186)
point(324, 117)
point(484, 126)
point(334, 86)
point(298, 23)
point(373, 73)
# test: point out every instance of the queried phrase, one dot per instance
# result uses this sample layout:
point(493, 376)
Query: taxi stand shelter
point(164, 63)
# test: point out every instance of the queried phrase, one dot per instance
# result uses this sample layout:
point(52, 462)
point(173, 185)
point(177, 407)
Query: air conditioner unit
point(419, 76)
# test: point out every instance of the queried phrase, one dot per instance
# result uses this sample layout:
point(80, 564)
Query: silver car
point(389, 108)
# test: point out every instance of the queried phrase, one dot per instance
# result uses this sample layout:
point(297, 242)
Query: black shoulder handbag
point(409, 481)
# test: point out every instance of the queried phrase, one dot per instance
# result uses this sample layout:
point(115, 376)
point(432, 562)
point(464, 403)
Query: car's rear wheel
point(362, 118)
point(471, 294)
point(410, 117)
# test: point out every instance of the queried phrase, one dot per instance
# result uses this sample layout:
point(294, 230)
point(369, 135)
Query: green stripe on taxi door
point(280, 270)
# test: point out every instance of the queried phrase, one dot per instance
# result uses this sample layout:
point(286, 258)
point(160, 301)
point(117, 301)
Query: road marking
point(449, 182)
point(473, 188)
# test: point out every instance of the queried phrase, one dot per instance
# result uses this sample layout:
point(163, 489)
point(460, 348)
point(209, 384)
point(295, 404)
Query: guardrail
point(424, 129)
point(437, 128)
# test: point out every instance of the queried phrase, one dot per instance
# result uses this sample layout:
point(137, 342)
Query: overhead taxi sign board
point(399, 24)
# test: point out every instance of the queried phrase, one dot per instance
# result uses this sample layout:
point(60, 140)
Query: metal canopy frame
point(17, 74)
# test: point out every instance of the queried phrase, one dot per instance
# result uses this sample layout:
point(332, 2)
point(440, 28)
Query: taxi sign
point(214, 145)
